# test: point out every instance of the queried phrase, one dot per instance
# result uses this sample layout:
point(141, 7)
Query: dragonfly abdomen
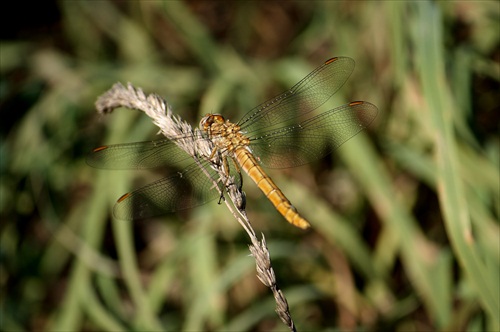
point(269, 188)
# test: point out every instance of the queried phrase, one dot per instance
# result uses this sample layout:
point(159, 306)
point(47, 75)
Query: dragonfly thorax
point(225, 134)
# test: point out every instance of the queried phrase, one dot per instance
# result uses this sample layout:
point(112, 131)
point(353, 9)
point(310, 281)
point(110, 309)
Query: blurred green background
point(405, 216)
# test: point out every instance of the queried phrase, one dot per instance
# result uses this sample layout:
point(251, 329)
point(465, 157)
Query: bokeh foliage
point(405, 216)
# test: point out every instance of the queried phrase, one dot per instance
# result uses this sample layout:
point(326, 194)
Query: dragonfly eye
point(218, 118)
point(208, 120)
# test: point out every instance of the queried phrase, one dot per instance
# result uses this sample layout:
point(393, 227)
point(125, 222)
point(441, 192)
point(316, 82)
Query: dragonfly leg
point(212, 155)
point(238, 168)
point(228, 183)
point(232, 188)
point(225, 169)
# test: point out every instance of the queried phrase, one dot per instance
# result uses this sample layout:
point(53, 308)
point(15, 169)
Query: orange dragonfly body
point(276, 134)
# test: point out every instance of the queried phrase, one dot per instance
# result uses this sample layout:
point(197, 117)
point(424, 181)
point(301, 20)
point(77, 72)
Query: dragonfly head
point(208, 120)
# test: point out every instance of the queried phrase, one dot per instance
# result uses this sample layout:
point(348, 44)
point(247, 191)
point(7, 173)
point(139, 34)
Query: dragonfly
point(279, 133)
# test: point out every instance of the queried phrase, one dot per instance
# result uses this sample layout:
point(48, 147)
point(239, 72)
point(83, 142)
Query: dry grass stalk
point(192, 142)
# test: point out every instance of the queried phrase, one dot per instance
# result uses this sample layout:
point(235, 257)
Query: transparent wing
point(137, 155)
point(304, 97)
point(184, 190)
point(314, 138)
